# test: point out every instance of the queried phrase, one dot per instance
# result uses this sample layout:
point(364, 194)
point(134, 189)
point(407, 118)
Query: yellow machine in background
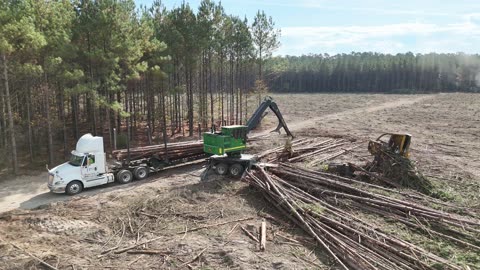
point(398, 143)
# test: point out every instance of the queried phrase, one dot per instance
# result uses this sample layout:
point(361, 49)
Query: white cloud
point(354, 32)
point(391, 38)
point(406, 7)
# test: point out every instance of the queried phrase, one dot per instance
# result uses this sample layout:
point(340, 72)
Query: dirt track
point(403, 101)
point(30, 192)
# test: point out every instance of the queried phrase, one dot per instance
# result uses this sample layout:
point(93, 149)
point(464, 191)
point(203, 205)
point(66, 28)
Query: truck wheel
point(74, 187)
point(221, 168)
point(236, 170)
point(124, 176)
point(140, 172)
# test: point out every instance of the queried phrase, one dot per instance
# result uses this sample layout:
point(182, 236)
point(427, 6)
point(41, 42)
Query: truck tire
point(221, 168)
point(74, 187)
point(124, 176)
point(236, 170)
point(140, 172)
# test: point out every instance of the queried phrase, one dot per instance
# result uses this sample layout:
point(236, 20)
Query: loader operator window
point(235, 133)
point(239, 134)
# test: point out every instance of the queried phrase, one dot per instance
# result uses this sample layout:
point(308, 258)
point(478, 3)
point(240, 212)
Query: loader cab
point(398, 143)
point(231, 139)
point(237, 132)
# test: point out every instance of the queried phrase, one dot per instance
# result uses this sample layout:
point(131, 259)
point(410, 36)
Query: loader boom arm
point(257, 116)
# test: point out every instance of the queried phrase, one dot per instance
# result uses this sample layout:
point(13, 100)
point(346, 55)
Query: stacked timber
point(310, 150)
point(352, 219)
point(333, 210)
point(175, 151)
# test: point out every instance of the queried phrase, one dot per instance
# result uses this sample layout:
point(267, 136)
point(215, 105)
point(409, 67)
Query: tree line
point(68, 67)
point(375, 72)
point(74, 66)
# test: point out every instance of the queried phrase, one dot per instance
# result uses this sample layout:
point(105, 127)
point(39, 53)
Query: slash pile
point(337, 212)
point(175, 151)
point(316, 152)
point(400, 170)
point(326, 206)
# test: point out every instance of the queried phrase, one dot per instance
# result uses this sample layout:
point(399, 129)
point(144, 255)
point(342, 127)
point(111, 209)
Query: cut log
point(174, 151)
point(263, 236)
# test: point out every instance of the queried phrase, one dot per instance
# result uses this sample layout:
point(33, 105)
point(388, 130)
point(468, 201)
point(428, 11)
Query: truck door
point(90, 171)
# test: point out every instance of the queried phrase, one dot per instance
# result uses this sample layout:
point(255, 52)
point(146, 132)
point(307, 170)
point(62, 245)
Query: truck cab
point(87, 167)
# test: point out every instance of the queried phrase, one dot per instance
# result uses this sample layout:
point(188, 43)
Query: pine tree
point(18, 36)
point(265, 37)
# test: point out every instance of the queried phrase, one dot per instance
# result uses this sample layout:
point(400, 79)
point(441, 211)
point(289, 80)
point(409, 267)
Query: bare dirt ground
point(445, 130)
point(188, 217)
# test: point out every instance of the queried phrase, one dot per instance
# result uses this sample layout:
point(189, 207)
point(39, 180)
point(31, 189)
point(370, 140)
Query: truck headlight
point(58, 183)
point(50, 179)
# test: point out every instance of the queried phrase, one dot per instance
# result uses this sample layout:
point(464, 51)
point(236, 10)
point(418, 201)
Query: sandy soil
point(77, 232)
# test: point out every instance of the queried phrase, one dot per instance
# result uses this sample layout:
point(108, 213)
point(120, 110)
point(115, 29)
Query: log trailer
point(226, 146)
point(88, 166)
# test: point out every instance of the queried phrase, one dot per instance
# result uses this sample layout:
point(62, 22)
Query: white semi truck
point(88, 167)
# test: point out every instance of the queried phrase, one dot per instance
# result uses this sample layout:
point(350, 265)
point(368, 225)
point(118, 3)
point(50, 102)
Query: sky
point(395, 26)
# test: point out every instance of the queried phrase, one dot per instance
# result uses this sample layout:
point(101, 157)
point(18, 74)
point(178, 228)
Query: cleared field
point(199, 224)
point(445, 130)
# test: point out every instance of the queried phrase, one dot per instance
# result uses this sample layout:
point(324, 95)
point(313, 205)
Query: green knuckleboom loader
point(226, 146)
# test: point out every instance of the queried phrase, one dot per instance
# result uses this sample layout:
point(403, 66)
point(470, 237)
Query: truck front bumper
point(57, 189)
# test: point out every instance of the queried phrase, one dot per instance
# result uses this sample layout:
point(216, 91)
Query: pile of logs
point(309, 149)
point(333, 210)
point(175, 151)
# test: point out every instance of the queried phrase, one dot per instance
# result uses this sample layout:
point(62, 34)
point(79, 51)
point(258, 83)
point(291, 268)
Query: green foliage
point(443, 195)
point(18, 32)
point(157, 72)
point(373, 72)
point(95, 64)
point(265, 37)
point(122, 141)
point(28, 69)
point(401, 170)
point(311, 207)
point(260, 88)
point(73, 75)
point(77, 89)
point(115, 46)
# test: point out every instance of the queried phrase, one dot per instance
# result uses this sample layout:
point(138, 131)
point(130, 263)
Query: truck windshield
point(76, 160)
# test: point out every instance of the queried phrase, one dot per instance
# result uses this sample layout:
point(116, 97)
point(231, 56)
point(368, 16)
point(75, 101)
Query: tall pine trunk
point(222, 91)
point(64, 125)
point(10, 116)
point(210, 86)
point(49, 122)
point(29, 125)
point(190, 102)
point(4, 122)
